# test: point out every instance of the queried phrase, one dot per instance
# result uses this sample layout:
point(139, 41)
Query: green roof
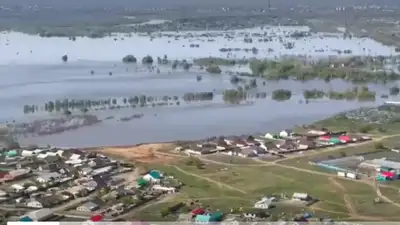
point(142, 182)
point(334, 140)
point(203, 218)
point(11, 153)
point(215, 217)
point(155, 174)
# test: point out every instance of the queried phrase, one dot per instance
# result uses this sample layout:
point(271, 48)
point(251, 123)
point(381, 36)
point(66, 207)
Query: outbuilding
point(345, 139)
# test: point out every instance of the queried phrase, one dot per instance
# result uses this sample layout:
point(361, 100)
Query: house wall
point(34, 204)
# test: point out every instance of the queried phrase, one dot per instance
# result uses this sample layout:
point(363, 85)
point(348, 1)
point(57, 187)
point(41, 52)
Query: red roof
point(3, 174)
point(344, 138)
point(198, 211)
point(388, 174)
point(96, 218)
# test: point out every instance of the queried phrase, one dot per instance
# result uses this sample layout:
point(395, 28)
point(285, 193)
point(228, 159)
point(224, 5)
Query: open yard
point(242, 185)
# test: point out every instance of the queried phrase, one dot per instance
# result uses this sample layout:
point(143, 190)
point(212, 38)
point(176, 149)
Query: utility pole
point(269, 4)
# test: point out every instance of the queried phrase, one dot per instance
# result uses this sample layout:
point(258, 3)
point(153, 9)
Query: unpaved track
point(220, 184)
point(347, 200)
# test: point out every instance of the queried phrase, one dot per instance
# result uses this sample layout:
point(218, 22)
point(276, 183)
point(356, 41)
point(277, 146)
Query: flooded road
point(40, 76)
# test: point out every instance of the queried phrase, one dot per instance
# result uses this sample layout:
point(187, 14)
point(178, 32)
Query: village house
point(44, 202)
point(77, 191)
point(153, 176)
point(199, 151)
point(247, 152)
point(89, 206)
point(270, 147)
point(47, 177)
point(14, 174)
point(258, 150)
point(317, 132)
point(270, 136)
point(102, 170)
point(286, 133)
point(169, 190)
point(17, 188)
point(304, 143)
point(85, 171)
point(254, 215)
point(236, 141)
point(250, 141)
point(288, 145)
point(301, 197)
point(38, 215)
point(220, 143)
point(264, 203)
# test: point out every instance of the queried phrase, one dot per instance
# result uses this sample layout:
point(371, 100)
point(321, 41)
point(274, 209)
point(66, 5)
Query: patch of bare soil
point(144, 153)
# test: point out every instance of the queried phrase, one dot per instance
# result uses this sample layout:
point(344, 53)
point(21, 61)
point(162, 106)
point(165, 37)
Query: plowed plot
point(146, 153)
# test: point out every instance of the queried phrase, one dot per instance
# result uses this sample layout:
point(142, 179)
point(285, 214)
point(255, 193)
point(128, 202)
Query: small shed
point(96, 218)
point(389, 175)
point(11, 153)
point(324, 138)
point(198, 211)
point(334, 141)
point(142, 182)
point(155, 174)
point(345, 139)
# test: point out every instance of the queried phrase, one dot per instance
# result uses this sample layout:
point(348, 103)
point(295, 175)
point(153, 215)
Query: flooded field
point(32, 73)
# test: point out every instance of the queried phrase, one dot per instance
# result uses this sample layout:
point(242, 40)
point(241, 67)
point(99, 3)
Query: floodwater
point(39, 76)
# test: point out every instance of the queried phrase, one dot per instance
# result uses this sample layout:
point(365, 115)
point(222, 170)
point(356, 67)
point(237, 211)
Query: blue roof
point(203, 218)
point(155, 174)
point(25, 219)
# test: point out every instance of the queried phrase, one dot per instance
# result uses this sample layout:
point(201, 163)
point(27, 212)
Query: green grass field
point(241, 186)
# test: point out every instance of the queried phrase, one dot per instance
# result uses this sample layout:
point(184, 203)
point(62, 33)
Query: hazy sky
point(164, 3)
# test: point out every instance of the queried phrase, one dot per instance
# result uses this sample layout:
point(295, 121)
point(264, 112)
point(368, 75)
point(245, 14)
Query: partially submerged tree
point(64, 58)
point(214, 69)
point(129, 59)
point(147, 60)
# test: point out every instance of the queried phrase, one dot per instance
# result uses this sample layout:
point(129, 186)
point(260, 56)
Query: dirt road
point(220, 184)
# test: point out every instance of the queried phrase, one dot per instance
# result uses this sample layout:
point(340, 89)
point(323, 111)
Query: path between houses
point(220, 184)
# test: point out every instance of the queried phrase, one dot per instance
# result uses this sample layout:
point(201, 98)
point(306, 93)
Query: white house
point(47, 177)
point(269, 136)
point(34, 204)
point(17, 187)
point(300, 196)
point(26, 153)
point(40, 215)
point(285, 133)
point(264, 203)
point(169, 190)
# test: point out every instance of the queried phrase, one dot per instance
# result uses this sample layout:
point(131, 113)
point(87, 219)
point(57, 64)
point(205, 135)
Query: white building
point(300, 196)
point(285, 133)
point(47, 177)
point(264, 203)
point(169, 190)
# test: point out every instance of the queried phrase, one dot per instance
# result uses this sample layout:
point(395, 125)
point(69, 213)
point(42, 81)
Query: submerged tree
point(129, 59)
point(147, 60)
point(64, 58)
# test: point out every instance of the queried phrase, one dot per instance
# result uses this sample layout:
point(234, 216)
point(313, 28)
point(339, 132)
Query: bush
point(394, 90)
point(147, 60)
point(214, 69)
point(129, 59)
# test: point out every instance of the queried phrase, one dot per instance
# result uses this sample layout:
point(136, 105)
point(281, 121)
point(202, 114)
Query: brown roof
point(270, 145)
point(307, 142)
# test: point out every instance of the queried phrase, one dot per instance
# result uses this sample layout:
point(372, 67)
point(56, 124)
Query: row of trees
point(302, 71)
point(111, 103)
